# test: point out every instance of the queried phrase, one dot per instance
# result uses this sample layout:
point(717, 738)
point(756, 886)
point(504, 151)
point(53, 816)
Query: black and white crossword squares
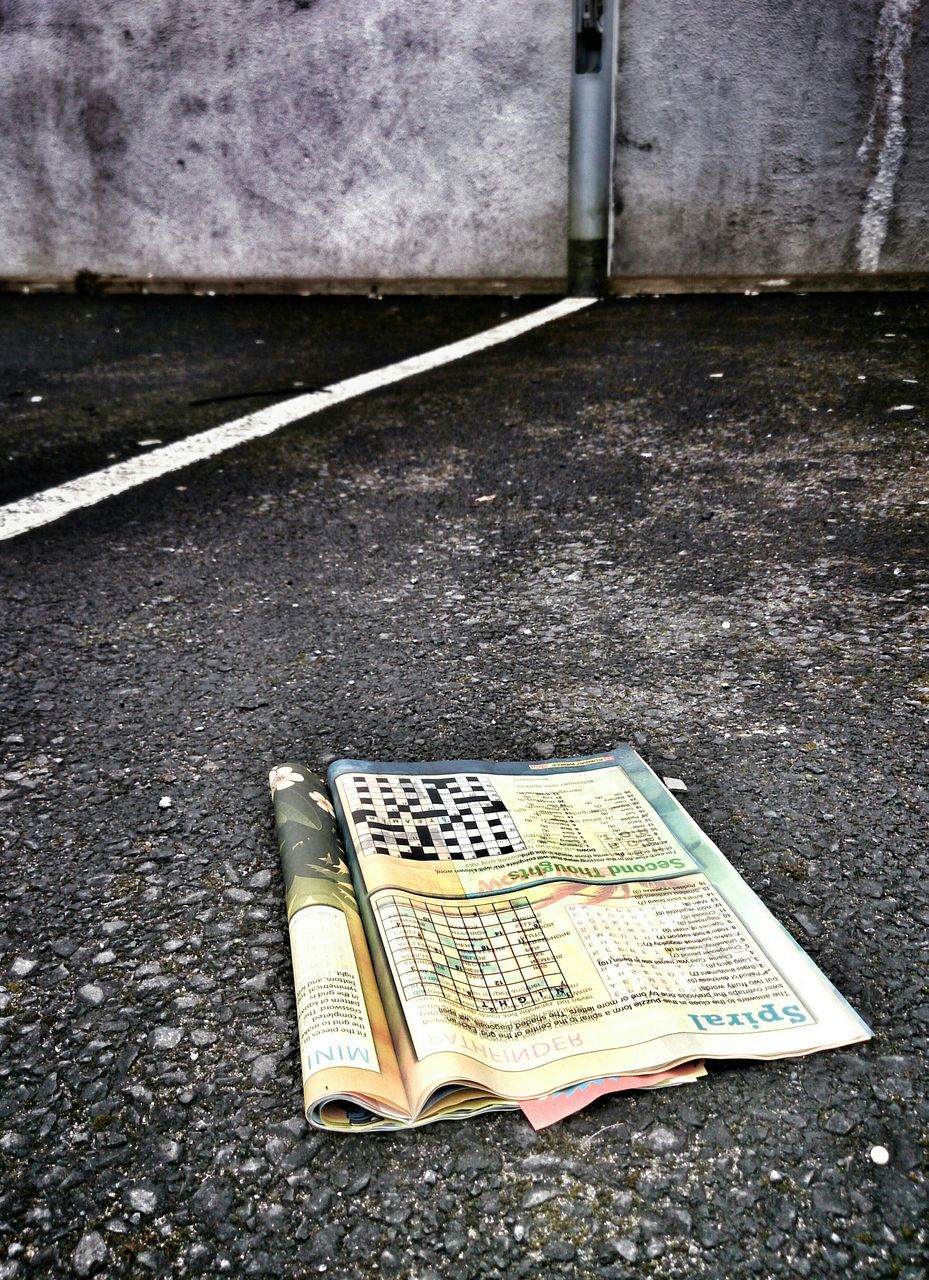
point(429, 817)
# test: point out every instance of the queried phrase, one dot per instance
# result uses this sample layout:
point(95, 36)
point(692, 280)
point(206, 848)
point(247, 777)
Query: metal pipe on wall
point(591, 146)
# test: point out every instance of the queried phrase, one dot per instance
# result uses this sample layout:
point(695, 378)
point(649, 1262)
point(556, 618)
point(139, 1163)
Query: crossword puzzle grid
point(449, 817)
point(493, 958)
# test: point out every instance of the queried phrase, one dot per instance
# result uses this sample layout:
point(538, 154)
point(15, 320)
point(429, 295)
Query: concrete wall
point(297, 140)
point(284, 138)
point(772, 137)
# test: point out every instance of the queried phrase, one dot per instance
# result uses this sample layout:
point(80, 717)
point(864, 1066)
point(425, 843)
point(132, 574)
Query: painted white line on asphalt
point(52, 504)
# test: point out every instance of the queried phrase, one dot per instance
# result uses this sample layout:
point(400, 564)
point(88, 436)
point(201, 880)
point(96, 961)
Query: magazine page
point(350, 1072)
point(553, 922)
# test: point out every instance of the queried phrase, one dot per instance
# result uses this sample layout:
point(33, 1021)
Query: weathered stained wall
point(746, 144)
point(284, 138)
point(318, 140)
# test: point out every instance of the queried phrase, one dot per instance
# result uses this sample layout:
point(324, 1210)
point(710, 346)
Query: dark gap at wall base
point(90, 284)
point(834, 282)
point(615, 286)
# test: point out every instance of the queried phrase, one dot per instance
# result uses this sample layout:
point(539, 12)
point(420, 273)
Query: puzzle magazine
point(470, 936)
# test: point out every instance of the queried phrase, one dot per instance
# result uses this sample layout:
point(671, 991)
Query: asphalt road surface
point(582, 537)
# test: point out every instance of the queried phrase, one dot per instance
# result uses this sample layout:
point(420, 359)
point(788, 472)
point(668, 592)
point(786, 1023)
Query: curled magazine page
point(350, 1073)
point(555, 922)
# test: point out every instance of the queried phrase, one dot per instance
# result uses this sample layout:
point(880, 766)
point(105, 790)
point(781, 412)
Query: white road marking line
point(51, 504)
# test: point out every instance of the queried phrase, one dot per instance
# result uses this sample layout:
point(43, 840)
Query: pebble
point(295, 1126)
point(839, 1122)
point(104, 957)
point(89, 1254)
point(213, 1200)
point(812, 928)
point(627, 1249)
point(91, 993)
point(165, 802)
point(879, 1155)
point(21, 967)
point(264, 1068)
point(538, 1195)
point(259, 981)
point(662, 1140)
point(166, 1037)
point(141, 1199)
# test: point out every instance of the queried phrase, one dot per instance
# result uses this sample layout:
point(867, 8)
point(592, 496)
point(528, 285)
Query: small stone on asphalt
point(141, 1199)
point(89, 1254)
point(166, 1037)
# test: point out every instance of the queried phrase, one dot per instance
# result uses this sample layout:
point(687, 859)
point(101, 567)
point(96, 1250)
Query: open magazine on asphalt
point(471, 936)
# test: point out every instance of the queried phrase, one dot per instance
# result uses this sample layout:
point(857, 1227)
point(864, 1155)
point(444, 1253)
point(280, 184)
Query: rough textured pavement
point(578, 538)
